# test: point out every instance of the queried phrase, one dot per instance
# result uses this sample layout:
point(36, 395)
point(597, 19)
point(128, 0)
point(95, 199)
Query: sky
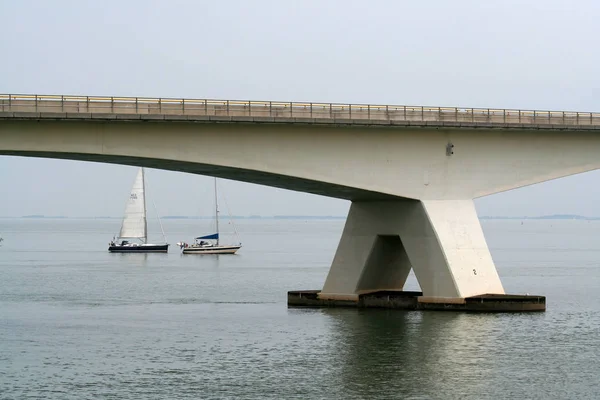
point(497, 54)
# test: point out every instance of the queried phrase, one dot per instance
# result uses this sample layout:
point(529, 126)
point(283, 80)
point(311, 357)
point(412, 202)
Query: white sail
point(134, 222)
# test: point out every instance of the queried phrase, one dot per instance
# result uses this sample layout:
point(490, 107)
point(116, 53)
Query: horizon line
point(283, 216)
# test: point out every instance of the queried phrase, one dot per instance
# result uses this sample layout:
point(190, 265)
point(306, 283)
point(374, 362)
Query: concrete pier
point(406, 300)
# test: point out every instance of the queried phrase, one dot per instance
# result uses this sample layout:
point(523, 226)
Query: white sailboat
point(133, 236)
point(209, 244)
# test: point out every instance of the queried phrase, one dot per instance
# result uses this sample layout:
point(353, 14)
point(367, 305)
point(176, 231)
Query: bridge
point(410, 172)
point(205, 110)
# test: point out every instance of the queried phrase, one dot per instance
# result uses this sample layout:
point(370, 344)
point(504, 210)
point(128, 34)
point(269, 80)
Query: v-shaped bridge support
point(441, 240)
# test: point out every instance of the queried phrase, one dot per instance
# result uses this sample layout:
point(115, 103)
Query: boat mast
point(144, 194)
point(159, 222)
point(216, 211)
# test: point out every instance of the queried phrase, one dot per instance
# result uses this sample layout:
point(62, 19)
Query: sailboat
point(209, 244)
point(133, 235)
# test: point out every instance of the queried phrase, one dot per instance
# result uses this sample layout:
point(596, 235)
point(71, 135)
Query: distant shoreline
point(554, 216)
point(315, 217)
point(187, 217)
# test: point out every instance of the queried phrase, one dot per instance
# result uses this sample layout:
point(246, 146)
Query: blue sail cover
point(214, 236)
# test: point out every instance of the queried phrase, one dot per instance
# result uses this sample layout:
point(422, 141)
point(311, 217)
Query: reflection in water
point(371, 348)
point(133, 259)
point(455, 348)
point(203, 260)
point(407, 354)
point(213, 261)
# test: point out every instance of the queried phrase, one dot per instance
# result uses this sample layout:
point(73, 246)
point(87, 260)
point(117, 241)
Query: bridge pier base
point(441, 240)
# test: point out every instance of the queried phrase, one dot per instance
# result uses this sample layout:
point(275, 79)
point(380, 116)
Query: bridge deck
point(203, 110)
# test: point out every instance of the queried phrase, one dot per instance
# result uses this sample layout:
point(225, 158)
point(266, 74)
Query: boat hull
point(144, 248)
point(211, 250)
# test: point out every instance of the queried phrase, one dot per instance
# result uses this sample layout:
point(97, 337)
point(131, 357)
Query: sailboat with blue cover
point(209, 244)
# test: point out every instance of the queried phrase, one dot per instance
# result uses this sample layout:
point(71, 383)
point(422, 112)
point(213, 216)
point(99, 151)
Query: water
point(77, 322)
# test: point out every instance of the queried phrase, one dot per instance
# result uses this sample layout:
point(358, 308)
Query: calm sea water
point(79, 323)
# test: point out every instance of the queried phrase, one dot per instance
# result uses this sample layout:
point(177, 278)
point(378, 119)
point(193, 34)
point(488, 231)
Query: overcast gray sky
point(494, 53)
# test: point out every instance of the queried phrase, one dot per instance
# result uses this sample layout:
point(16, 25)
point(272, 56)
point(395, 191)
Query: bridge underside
point(236, 174)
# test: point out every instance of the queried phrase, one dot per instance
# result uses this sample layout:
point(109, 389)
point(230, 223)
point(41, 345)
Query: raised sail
point(134, 222)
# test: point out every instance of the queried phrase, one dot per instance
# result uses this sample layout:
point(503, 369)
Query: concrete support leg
point(441, 240)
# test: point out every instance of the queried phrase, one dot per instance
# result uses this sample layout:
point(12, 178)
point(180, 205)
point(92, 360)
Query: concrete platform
point(405, 300)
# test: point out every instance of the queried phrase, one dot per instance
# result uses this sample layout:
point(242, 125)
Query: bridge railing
point(278, 109)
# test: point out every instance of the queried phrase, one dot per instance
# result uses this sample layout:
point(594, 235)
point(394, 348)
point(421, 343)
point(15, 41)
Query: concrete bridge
point(411, 172)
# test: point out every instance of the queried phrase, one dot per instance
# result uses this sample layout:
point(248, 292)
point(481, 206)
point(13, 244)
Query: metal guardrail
point(279, 109)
